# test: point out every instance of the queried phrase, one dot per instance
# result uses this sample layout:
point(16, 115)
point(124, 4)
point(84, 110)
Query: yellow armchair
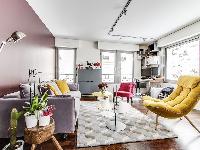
point(179, 103)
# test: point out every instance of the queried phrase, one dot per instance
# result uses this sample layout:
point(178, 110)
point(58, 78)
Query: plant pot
point(44, 120)
point(20, 147)
point(31, 121)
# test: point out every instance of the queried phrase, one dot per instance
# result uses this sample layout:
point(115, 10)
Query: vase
point(31, 121)
point(21, 142)
point(44, 120)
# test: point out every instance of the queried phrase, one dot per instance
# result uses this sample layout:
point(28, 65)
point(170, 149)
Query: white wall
point(137, 66)
point(117, 46)
point(69, 43)
point(87, 51)
point(187, 32)
point(90, 51)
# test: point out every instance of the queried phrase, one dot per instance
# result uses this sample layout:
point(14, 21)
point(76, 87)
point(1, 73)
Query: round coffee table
point(115, 124)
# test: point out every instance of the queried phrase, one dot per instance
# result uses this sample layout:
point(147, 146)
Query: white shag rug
point(92, 130)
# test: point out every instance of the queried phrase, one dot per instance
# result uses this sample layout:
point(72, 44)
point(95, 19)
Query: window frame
point(57, 61)
point(117, 70)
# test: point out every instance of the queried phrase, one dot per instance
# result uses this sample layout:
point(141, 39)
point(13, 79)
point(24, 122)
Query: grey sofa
point(65, 115)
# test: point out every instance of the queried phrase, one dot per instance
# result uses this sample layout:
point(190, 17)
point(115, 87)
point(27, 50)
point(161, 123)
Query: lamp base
point(119, 126)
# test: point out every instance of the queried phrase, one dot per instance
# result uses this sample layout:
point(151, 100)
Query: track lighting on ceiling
point(133, 37)
point(123, 12)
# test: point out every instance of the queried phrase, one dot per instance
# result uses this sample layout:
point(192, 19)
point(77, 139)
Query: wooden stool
point(38, 135)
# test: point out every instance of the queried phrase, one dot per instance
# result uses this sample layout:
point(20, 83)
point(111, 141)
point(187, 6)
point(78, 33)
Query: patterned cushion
point(42, 89)
point(53, 86)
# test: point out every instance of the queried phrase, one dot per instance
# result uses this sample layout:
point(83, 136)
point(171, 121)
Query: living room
point(103, 74)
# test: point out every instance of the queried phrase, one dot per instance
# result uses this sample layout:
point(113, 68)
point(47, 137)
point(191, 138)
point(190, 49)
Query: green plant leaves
point(36, 104)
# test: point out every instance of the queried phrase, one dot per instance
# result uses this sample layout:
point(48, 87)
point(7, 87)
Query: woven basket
point(38, 135)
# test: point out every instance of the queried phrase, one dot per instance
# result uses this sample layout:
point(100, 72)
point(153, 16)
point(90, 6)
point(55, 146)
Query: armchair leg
point(192, 123)
point(156, 122)
point(131, 100)
point(127, 100)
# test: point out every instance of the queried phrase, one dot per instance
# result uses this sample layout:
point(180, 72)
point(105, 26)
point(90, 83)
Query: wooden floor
point(188, 137)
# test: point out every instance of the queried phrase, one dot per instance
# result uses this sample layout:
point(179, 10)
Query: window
point(126, 67)
point(108, 66)
point(66, 64)
point(117, 66)
point(183, 60)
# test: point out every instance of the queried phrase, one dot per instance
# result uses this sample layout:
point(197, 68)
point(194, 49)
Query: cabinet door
point(83, 75)
point(88, 80)
point(85, 87)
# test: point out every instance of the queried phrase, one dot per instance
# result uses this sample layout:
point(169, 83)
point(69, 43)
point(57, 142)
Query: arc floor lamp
point(15, 36)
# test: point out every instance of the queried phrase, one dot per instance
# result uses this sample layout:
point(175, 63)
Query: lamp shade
point(17, 35)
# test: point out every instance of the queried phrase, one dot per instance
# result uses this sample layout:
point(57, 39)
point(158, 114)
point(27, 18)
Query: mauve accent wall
point(34, 51)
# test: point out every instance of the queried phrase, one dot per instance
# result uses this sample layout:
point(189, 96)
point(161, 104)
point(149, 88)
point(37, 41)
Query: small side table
point(38, 135)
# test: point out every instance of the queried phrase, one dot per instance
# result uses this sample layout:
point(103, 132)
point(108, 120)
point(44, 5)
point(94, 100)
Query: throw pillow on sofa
point(63, 86)
point(73, 86)
point(155, 91)
point(53, 86)
point(43, 88)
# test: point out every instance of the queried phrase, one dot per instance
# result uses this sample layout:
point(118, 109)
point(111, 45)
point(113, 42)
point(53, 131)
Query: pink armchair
point(126, 90)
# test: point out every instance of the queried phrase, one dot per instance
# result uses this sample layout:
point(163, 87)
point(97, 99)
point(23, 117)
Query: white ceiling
point(92, 19)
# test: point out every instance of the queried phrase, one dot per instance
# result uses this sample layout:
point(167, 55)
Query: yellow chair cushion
point(188, 81)
point(63, 86)
point(180, 102)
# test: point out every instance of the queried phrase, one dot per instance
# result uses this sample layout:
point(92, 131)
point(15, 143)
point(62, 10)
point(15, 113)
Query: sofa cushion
point(63, 86)
point(12, 95)
point(155, 91)
point(42, 89)
point(73, 86)
point(126, 87)
point(53, 86)
point(188, 81)
point(124, 94)
point(75, 94)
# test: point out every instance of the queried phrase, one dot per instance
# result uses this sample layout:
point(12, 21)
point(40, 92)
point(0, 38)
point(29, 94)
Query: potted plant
point(14, 143)
point(46, 114)
point(102, 88)
point(34, 109)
